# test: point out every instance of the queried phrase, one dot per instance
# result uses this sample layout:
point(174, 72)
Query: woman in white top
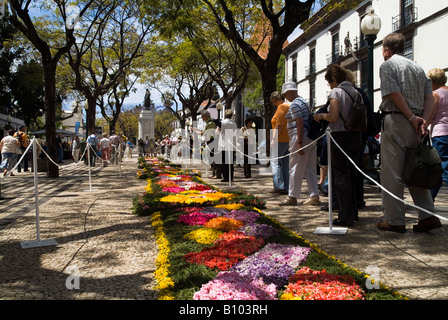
point(9, 147)
point(105, 145)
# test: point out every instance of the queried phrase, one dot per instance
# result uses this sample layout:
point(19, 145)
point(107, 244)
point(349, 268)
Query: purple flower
point(275, 263)
point(244, 216)
point(259, 230)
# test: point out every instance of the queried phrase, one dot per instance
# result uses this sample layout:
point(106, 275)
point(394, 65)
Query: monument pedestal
point(146, 124)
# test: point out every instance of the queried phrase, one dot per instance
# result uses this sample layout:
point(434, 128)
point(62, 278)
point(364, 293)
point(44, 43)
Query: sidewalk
point(413, 264)
point(97, 235)
point(115, 250)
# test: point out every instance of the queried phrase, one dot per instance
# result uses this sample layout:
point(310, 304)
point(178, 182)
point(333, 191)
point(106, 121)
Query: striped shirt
point(298, 109)
point(399, 74)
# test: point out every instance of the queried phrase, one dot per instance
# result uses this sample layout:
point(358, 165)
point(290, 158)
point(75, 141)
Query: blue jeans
point(280, 167)
point(441, 145)
point(8, 160)
point(60, 154)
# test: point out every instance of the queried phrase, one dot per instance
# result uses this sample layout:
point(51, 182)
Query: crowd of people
point(104, 147)
point(412, 103)
point(153, 147)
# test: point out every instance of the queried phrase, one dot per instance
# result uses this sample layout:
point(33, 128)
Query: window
point(335, 47)
point(312, 94)
point(312, 60)
point(407, 12)
point(408, 15)
point(409, 48)
point(294, 68)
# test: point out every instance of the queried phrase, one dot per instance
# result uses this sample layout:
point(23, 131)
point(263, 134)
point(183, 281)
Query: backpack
point(357, 117)
point(23, 143)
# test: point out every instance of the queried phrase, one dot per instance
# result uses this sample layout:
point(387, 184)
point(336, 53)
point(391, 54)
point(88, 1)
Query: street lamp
point(370, 27)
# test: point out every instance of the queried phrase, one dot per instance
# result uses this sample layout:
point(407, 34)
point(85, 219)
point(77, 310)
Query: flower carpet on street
point(215, 245)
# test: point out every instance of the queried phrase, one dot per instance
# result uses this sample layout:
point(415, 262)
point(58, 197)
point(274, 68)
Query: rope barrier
point(276, 158)
point(381, 187)
point(328, 132)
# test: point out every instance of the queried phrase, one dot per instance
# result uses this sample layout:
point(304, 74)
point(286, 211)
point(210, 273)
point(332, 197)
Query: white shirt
point(9, 145)
point(105, 143)
point(228, 139)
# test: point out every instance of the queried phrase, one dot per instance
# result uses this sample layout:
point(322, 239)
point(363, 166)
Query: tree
point(115, 100)
point(128, 122)
point(28, 91)
point(269, 34)
point(180, 67)
point(51, 52)
point(8, 54)
point(110, 40)
point(163, 122)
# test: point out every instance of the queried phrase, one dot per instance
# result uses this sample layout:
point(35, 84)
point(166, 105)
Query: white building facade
point(336, 37)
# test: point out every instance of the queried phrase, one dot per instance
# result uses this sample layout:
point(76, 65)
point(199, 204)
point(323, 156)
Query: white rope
point(49, 158)
point(381, 187)
point(277, 158)
point(23, 156)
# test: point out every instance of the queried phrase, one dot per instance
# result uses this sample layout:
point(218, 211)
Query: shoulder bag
point(422, 167)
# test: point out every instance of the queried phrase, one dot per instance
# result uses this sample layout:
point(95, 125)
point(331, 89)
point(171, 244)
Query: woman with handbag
point(439, 122)
point(344, 173)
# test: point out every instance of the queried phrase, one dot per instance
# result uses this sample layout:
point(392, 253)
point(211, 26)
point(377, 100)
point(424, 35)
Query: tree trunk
point(50, 117)
point(91, 114)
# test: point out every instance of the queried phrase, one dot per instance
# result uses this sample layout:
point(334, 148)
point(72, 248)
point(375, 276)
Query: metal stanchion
point(88, 164)
point(38, 242)
point(330, 229)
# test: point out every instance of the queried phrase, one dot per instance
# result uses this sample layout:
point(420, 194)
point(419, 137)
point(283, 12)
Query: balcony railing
point(403, 20)
point(332, 58)
point(310, 69)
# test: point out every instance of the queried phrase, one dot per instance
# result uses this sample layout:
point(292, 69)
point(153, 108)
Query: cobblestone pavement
point(114, 251)
point(414, 264)
point(98, 238)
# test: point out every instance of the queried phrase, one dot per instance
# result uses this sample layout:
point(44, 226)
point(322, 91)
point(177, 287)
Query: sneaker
point(288, 202)
point(427, 224)
point(312, 201)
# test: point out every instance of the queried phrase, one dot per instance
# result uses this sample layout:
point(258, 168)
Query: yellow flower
point(204, 235)
point(190, 197)
point(289, 296)
point(148, 188)
point(231, 206)
point(162, 274)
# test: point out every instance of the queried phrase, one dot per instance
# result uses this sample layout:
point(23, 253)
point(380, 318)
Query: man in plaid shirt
point(407, 105)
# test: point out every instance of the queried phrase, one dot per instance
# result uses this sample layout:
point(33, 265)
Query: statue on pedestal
point(146, 119)
point(147, 101)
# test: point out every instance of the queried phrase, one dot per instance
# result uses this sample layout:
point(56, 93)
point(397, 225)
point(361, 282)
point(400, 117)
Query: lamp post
point(370, 27)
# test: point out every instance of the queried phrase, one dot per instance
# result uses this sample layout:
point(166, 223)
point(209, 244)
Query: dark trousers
point(25, 160)
point(227, 157)
point(345, 174)
point(247, 166)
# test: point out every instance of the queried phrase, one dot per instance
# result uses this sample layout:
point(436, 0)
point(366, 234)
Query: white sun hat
point(289, 86)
